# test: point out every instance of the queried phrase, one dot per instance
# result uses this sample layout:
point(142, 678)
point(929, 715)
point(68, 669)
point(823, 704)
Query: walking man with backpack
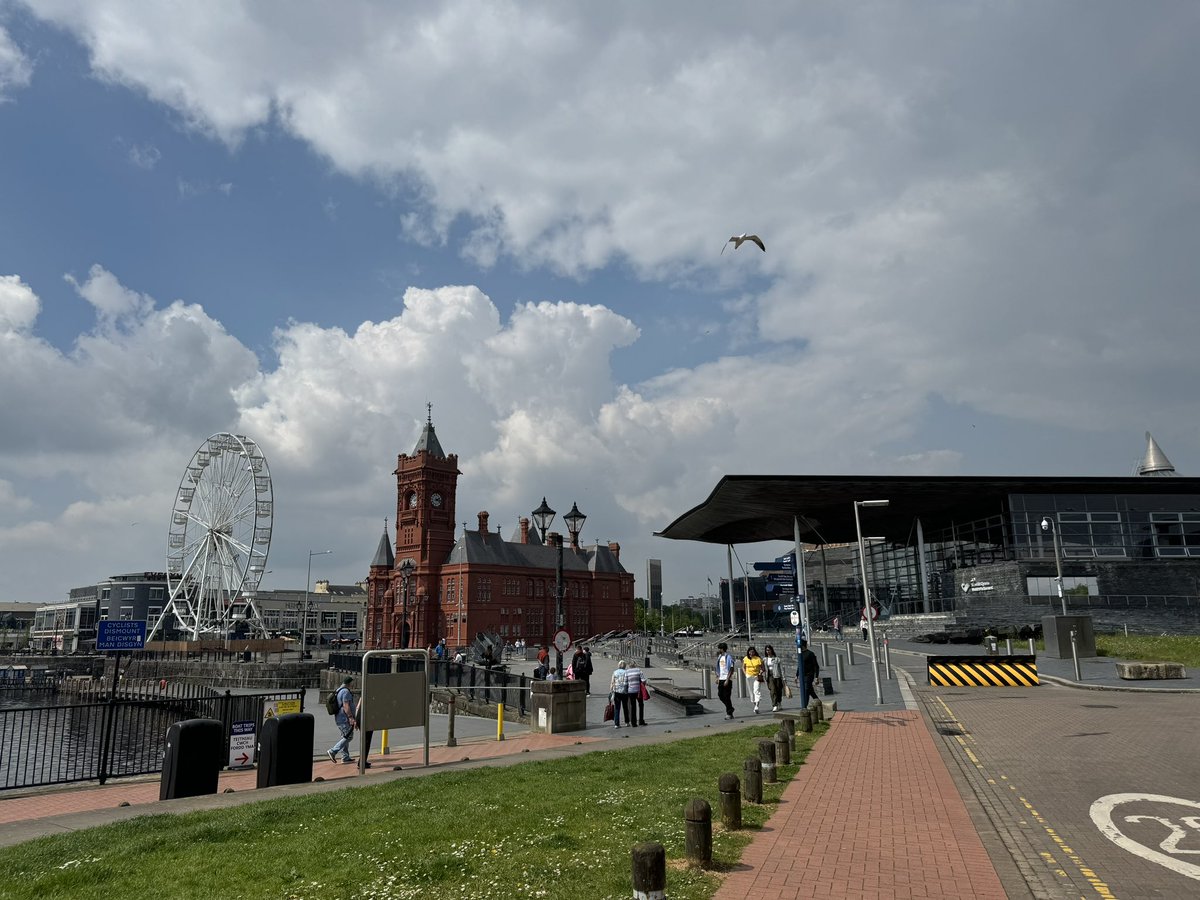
point(344, 719)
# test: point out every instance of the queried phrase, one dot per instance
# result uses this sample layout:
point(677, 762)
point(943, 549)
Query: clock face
point(412, 500)
point(436, 499)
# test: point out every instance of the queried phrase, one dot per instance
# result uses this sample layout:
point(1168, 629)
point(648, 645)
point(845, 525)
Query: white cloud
point(15, 69)
point(144, 156)
point(19, 305)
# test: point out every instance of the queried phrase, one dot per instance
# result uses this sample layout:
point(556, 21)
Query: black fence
point(94, 740)
point(486, 684)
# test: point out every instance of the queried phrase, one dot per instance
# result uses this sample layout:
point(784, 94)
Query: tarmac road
point(1077, 793)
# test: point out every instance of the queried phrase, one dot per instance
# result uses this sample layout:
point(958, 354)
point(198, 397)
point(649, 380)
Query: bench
point(688, 698)
point(1146, 671)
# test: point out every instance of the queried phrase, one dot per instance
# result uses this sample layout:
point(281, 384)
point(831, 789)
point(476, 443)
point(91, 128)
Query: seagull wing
point(757, 240)
point(732, 240)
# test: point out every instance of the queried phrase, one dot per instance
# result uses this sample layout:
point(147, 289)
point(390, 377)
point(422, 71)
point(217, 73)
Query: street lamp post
point(544, 516)
point(304, 615)
point(406, 569)
point(1048, 525)
point(868, 610)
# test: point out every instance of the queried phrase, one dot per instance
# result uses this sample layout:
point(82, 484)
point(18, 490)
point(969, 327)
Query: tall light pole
point(1048, 525)
point(304, 615)
point(868, 610)
point(406, 569)
point(543, 516)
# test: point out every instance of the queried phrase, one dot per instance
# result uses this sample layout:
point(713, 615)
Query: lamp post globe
point(406, 569)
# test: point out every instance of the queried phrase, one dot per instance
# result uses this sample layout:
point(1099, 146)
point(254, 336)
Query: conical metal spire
point(1155, 462)
point(383, 553)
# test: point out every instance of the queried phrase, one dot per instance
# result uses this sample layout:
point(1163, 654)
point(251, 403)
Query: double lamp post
point(543, 516)
point(304, 614)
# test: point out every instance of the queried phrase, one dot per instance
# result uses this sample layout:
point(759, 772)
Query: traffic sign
point(562, 640)
point(274, 708)
point(241, 744)
point(120, 635)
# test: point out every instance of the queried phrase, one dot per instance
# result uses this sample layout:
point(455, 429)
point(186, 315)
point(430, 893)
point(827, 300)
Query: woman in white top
point(774, 676)
point(616, 689)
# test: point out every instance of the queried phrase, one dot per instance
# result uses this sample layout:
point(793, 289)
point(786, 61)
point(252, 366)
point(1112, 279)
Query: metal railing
point(493, 684)
point(94, 740)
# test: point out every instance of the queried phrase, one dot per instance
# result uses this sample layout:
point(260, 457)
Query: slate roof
point(429, 443)
point(493, 550)
point(383, 553)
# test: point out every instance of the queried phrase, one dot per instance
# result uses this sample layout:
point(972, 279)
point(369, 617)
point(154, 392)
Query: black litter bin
point(193, 759)
point(827, 685)
point(285, 750)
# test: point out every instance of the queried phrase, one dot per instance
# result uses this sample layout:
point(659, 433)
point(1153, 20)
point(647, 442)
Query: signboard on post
point(120, 635)
point(241, 744)
point(274, 708)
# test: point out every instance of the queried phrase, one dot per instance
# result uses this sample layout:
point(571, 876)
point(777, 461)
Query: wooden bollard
point(766, 756)
point(783, 750)
point(805, 718)
point(731, 801)
point(697, 820)
point(817, 709)
point(649, 871)
point(789, 725)
point(752, 780)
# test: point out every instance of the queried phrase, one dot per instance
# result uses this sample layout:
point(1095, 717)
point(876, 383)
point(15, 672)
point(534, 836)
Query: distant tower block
point(1155, 462)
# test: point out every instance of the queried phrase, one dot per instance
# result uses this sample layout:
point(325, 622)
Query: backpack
point(332, 704)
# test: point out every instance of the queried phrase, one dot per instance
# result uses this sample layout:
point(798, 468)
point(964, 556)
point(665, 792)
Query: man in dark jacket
point(581, 668)
point(807, 670)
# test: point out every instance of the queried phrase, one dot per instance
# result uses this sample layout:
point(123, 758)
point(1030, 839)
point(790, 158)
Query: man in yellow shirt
point(752, 668)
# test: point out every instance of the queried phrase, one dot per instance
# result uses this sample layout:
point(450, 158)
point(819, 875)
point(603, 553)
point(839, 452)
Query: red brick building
point(477, 581)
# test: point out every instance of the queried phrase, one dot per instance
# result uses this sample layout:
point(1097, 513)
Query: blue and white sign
point(242, 744)
point(120, 635)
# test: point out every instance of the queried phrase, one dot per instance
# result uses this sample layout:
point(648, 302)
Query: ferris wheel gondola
point(218, 540)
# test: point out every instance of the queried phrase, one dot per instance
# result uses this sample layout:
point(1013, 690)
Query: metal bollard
point(1075, 656)
point(752, 780)
point(697, 838)
point(731, 801)
point(1008, 646)
point(841, 672)
point(766, 757)
point(499, 721)
point(741, 684)
point(649, 871)
point(805, 718)
point(451, 741)
point(707, 684)
point(1032, 648)
point(850, 653)
point(783, 749)
point(887, 660)
point(825, 655)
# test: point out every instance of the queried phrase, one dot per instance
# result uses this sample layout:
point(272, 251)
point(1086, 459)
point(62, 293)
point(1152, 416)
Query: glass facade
point(1090, 526)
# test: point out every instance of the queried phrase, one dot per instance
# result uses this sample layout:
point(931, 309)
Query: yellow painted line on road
point(1098, 885)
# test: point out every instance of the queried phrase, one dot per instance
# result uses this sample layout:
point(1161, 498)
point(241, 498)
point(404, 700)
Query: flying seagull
point(738, 239)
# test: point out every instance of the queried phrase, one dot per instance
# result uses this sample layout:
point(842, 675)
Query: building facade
point(437, 583)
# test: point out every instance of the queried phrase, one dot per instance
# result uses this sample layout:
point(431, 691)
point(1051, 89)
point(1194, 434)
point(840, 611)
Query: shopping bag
point(608, 712)
point(787, 690)
point(645, 691)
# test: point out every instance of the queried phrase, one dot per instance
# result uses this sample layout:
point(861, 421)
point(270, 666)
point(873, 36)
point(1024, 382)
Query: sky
point(303, 222)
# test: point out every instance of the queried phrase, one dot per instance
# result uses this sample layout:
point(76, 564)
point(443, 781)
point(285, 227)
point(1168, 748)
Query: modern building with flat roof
point(986, 549)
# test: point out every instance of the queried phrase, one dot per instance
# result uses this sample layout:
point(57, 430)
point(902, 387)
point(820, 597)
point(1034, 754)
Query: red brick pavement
point(87, 798)
point(873, 812)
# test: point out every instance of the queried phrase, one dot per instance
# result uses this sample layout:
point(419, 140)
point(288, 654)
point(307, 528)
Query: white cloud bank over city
point(996, 207)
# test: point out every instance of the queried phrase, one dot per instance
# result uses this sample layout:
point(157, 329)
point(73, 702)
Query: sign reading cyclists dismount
point(562, 640)
point(120, 635)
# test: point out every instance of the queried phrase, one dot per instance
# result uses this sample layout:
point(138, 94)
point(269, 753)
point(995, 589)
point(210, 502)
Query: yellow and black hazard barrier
point(983, 671)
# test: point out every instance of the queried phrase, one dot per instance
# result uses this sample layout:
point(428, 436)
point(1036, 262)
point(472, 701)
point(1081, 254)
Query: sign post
point(241, 745)
point(116, 636)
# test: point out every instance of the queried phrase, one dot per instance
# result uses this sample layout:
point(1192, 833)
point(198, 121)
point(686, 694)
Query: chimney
point(524, 530)
point(483, 523)
point(615, 549)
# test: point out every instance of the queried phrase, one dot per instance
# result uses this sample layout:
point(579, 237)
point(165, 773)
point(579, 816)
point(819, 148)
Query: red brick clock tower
point(426, 482)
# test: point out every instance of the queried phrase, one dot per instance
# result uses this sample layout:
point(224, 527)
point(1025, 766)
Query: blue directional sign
point(781, 577)
point(782, 563)
point(120, 635)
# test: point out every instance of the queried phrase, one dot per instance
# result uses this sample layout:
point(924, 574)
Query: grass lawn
point(1182, 648)
point(554, 829)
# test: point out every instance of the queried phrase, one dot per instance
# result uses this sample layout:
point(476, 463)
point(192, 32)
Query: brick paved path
point(873, 812)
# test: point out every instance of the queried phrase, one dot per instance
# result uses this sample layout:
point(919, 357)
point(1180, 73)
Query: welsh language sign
point(120, 635)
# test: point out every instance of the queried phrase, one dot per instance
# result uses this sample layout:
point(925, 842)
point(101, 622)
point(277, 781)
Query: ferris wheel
point(218, 540)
